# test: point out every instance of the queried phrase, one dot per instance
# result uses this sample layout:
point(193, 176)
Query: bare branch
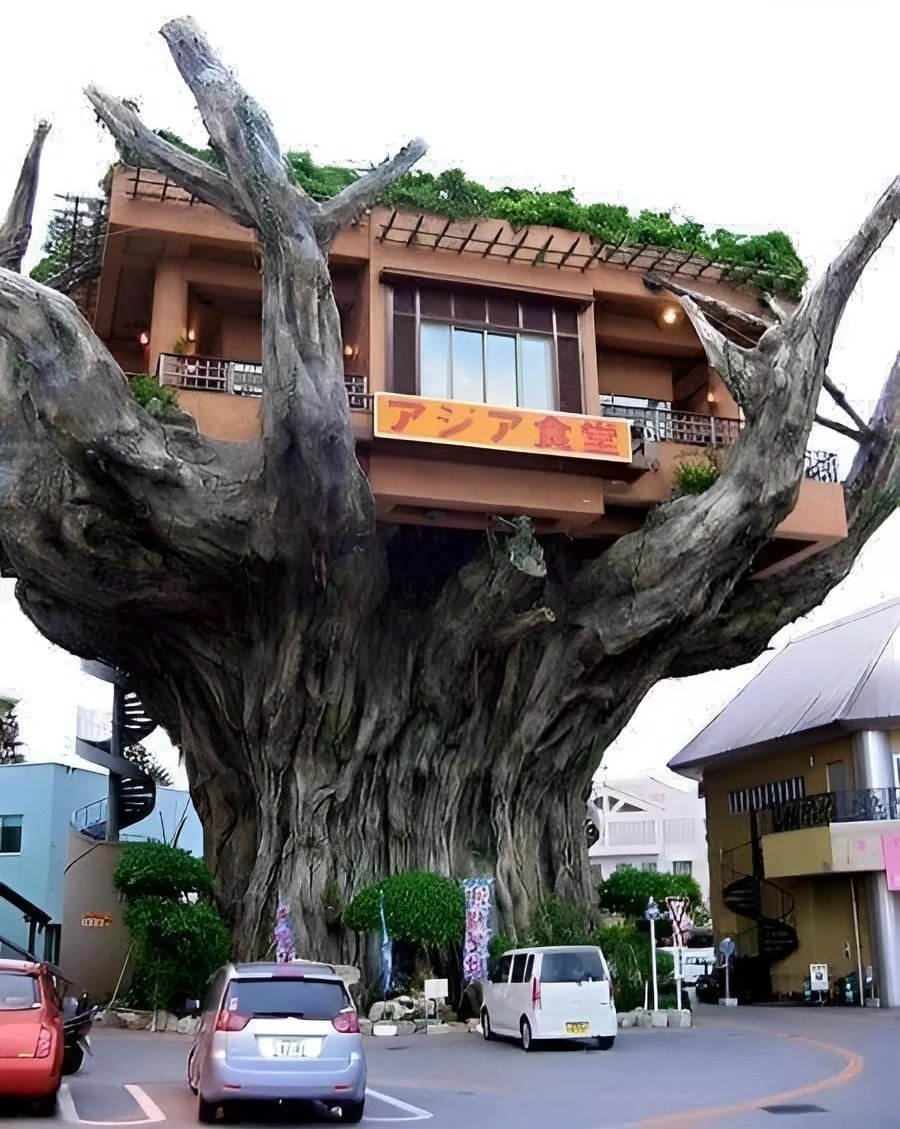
point(241, 132)
point(820, 312)
point(193, 175)
point(748, 327)
point(840, 428)
point(729, 360)
point(15, 231)
point(842, 402)
point(758, 609)
point(350, 204)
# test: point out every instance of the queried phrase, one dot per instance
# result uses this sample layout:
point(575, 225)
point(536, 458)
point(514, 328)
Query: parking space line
point(418, 1114)
point(152, 1113)
point(151, 1109)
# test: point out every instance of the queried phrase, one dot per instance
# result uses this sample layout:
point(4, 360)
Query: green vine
point(768, 261)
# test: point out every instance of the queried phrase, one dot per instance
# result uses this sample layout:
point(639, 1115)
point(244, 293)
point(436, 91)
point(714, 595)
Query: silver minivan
point(278, 1032)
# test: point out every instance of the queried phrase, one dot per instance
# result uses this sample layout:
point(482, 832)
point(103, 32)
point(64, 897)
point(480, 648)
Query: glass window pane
point(10, 834)
point(434, 360)
point(537, 373)
point(518, 968)
point(501, 370)
point(468, 366)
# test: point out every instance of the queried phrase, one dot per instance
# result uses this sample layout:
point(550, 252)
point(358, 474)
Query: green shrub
point(694, 474)
point(629, 956)
point(767, 261)
point(156, 869)
point(628, 890)
point(559, 923)
point(156, 398)
point(426, 909)
point(177, 947)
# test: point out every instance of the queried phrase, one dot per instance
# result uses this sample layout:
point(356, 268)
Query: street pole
point(653, 959)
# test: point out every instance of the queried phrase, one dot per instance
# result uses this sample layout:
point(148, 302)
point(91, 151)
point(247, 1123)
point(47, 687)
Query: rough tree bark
point(354, 700)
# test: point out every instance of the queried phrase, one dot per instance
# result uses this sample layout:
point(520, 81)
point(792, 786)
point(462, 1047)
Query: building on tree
point(491, 372)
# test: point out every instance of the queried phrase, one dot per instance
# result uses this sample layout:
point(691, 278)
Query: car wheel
point(206, 1111)
point(45, 1107)
point(604, 1042)
point(352, 1112)
point(195, 1089)
point(486, 1032)
point(527, 1037)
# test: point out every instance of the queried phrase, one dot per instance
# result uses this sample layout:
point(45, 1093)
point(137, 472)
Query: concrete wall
point(68, 875)
point(44, 795)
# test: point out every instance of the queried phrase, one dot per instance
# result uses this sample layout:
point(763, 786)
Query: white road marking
point(418, 1114)
point(152, 1113)
point(151, 1109)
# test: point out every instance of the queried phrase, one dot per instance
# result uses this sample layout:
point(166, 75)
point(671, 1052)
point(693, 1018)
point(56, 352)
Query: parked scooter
point(78, 1018)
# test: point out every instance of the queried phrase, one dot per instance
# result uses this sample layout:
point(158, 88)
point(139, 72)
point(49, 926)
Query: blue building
point(45, 809)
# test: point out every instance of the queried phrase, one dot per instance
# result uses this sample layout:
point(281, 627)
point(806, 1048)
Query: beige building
point(801, 779)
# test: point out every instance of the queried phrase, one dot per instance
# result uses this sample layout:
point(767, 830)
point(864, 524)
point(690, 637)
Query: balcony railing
point(866, 805)
point(238, 378)
point(659, 425)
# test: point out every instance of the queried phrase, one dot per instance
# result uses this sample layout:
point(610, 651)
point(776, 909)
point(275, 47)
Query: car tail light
point(536, 992)
point(231, 1021)
point(347, 1022)
point(44, 1043)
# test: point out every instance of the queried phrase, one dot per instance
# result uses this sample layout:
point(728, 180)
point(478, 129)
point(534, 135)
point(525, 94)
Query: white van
point(555, 992)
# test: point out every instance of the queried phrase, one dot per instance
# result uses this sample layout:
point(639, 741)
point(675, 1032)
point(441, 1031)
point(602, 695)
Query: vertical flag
point(386, 952)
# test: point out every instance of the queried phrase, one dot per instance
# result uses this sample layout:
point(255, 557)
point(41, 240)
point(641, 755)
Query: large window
point(484, 367)
point(10, 834)
point(486, 348)
point(684, 867)
point(631, 832)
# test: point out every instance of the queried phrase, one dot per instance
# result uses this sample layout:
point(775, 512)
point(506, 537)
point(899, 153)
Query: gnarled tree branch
point(15, 231)
point(351, 202)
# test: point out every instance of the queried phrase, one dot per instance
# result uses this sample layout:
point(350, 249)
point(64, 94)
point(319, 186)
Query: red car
point(31, 1035)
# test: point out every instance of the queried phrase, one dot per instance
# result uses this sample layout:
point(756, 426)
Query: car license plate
point(577, 1028)
point(297, 1048)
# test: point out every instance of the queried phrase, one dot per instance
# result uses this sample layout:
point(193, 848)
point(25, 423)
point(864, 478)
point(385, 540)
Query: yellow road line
point(853, 1068)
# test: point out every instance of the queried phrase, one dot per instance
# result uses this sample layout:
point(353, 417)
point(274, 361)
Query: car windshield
point(287, 996)
point(18, 991)
point(572, 967)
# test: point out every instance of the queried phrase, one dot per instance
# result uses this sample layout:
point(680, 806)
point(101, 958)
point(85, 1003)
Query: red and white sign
point(96, 920)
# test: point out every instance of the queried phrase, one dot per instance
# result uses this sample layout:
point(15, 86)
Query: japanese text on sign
point(500, 428)
point(96, 920)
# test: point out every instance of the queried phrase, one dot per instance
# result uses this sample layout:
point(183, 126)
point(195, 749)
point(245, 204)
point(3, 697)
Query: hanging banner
point(890, 846)
point(479, 894)
point(285, 947)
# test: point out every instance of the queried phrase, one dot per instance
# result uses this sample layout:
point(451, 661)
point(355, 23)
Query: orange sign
point(96, 920)
point(425, 420)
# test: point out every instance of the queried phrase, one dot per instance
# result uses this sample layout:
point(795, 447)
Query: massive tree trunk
point(354, 700)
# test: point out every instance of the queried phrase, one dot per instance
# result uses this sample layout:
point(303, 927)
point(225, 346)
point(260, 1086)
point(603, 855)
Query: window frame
point(556, 335)
point(519, 968)
point(683, 863)
point(16, 827)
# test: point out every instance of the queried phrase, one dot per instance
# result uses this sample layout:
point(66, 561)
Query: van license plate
point(577, 1028)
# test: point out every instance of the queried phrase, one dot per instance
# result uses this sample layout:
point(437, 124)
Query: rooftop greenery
point(768, 262)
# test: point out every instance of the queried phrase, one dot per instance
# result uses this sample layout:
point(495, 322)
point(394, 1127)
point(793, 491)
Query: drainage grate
point(796, 1108)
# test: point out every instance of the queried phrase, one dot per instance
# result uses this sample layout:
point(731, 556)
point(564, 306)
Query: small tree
point(178, 936)
point(9, 739)
point(627, 890)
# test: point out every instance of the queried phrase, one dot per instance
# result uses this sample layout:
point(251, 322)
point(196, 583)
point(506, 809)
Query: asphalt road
point(743, 1069)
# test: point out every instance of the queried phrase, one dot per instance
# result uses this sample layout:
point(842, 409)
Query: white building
point(651, 825)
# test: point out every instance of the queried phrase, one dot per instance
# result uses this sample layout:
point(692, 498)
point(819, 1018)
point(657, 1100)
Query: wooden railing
point(238, 378)
point(665, 425)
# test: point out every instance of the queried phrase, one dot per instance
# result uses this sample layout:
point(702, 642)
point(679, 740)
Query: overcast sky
point(748, 116)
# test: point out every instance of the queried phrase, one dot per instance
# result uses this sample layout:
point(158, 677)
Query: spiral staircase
point(131, 794)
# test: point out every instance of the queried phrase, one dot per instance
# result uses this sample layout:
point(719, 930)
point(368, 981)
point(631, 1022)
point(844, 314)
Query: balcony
point(238, 378)
point(692, 429)
point(866, 805)
point(830, 833)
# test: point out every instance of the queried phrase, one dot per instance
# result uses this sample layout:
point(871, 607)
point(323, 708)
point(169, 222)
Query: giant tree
point(353, 699)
